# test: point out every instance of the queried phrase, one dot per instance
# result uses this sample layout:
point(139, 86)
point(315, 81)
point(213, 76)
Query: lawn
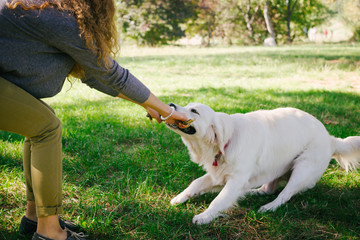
point(121, 170)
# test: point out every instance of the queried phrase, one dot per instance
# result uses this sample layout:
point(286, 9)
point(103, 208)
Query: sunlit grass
point(121, 171)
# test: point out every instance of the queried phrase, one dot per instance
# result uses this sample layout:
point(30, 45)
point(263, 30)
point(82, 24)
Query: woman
point(41, 43)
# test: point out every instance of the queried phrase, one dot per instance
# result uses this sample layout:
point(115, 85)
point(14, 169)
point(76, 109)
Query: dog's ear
point(220, 131)
point(211, 136)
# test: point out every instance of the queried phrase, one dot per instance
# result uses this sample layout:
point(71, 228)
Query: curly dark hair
point(96, 24)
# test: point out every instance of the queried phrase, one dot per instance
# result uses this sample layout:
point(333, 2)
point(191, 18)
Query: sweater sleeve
point(93, 83)
point(61, 31)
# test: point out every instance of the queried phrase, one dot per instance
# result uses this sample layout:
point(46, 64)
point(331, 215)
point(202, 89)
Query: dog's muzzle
point(188, 130)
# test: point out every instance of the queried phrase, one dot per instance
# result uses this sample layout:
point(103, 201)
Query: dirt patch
point(351, 82)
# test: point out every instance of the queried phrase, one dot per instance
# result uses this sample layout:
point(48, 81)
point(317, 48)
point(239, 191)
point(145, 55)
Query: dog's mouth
point(188, 130)
point(183, 126)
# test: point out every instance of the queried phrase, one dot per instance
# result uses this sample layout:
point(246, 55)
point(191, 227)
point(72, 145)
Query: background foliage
point(157, 22)
point(154, 22)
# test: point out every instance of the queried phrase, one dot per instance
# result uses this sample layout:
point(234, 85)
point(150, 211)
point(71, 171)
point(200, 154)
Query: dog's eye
point(194, 111)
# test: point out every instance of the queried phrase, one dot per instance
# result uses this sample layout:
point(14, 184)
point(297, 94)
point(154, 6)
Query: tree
point(268, 20)
point(154, 22)
point(350, 11)
point(291, 18)
point(232, 20)
point(204, 20)
point(290, 7)
point(249, 11)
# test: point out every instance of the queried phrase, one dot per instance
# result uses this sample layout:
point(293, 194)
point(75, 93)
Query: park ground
point(121, 170)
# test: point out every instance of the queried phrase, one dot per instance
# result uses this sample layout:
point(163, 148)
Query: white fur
point(263, 146)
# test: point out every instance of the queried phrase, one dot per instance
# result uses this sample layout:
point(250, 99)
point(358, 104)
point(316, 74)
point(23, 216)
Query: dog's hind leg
point(268, 188)
point(307, 170)
point(198, 186)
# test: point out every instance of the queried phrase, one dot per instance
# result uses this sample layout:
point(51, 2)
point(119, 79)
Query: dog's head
point(208, 125)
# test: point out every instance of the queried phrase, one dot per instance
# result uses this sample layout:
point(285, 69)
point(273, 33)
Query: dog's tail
point(347, 152)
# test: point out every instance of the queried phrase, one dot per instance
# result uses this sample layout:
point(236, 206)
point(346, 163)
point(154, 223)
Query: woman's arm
point(155, 107)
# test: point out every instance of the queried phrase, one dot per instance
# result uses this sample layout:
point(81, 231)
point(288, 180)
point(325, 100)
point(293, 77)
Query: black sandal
point(28, 227)
point(70, 236)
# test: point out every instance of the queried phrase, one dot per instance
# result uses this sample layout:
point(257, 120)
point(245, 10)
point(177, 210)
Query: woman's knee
point(49, 131)
point(25, 115)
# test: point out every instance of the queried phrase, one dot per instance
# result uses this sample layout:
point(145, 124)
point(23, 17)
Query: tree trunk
point(249, 18)
point(209, 32)
point(268, 21)
point(249, 26)
point(290, 11)
point(288, 20)
point(339, 6)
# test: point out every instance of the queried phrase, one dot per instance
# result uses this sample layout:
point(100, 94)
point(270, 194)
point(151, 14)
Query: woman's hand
point(176, 117)
point(156, 108)
point(153, 114)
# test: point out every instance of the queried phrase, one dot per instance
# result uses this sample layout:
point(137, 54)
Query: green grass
point(121, 171)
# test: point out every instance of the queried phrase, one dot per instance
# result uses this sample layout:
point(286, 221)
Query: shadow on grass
point(137, 160)
point(323, 212)
point(8, 235)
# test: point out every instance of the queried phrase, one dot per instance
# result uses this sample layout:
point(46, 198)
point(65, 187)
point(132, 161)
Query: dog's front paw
point(179, 199)
point(203, 218)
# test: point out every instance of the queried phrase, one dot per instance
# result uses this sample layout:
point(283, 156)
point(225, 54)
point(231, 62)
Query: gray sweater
point(39, 48)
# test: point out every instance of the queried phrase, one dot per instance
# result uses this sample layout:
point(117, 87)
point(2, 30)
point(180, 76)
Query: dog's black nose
point(172, 105)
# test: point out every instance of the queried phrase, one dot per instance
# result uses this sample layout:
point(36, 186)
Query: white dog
point(241, 152)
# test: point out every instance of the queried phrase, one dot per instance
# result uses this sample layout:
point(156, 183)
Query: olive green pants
point(23, 114)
